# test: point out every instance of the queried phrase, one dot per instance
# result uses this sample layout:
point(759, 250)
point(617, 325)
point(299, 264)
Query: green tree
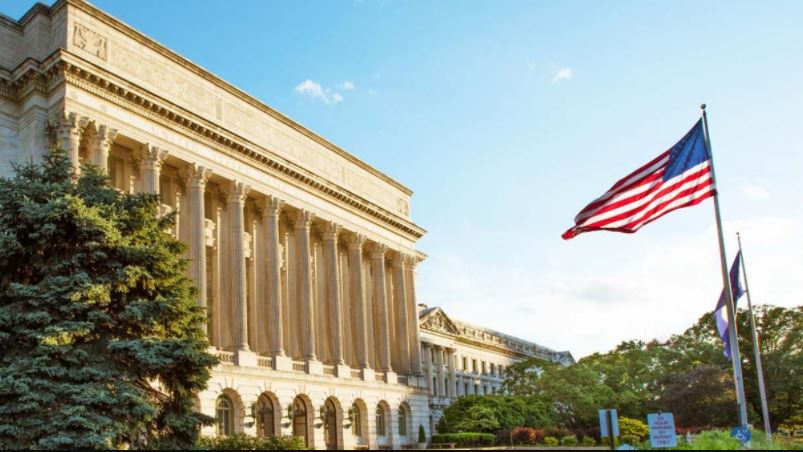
point(703, 396)
point(101, 337)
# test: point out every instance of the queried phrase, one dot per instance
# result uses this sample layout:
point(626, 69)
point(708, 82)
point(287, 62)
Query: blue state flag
point(721, 312)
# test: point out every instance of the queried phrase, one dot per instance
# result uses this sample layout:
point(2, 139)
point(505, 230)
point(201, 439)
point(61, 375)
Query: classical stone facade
point(304, 255)
point(462, 359)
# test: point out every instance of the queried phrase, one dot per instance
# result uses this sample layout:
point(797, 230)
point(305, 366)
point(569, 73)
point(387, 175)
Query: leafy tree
point(703, 396)
point(100, 333)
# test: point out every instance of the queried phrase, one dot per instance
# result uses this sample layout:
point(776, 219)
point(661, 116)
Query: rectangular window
point(465, 363)
point(465, 388)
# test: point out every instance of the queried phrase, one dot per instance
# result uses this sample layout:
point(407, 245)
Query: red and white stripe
point(643, 196)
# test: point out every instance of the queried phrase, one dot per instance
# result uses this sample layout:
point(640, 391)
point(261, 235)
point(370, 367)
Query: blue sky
point(507, 117)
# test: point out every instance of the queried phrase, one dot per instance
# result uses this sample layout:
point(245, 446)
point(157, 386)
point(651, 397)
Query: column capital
point(356, 241)
point(152, 155)
point(271, 206)
point(378, 251)
point(303, 219)
point(236, 191)
point(103, 136)
point(196, 175)
point(68, 124)
point(399, 260)
point(331, 230)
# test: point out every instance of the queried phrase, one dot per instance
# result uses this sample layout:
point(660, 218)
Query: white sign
point(603, 423)
point(662, 430)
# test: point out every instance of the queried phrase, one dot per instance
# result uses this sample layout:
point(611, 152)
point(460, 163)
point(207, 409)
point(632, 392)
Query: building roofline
point(97, 13)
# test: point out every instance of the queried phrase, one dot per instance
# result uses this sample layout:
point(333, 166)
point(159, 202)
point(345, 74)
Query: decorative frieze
point(89, 41)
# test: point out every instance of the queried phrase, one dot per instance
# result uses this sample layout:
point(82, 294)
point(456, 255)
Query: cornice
point(150, 43)
point(64, 66)
point(498, 342)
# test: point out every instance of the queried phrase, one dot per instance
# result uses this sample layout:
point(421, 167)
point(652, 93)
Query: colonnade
point(448, 379)
point(278, 281)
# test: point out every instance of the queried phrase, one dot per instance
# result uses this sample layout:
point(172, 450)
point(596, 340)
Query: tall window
point(380, 421)
point(225, 416)
point(356, 420)
point(402, 421)
point(465, 363)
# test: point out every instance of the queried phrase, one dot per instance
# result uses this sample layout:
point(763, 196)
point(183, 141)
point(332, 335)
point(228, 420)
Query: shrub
point(422, 434)
point(712, 440)
point(633, 440)
point(524, 435)
point(245, 442)
point(634, 427)
point(551, 441)
point(569, 441)
point(557, 432)
point(465, 439)
point(589, 441)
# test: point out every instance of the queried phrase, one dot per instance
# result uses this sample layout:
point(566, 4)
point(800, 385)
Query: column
point(303, 221)
point(412, 309)
point(273, 251)
point(68, 137)
point(197, 176)
point(381, 294)
point(331, 232)
point(237, 194)
point(150, 163)
point(400, 303)
point(216, 319)
point(100, 145)
point(439, 389)
point(428, 367)
point(452, 390)
point(356, 243)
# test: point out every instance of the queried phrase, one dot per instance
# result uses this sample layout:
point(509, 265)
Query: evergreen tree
point(101, 340)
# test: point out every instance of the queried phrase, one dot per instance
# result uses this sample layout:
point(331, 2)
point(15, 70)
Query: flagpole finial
point(702, 107)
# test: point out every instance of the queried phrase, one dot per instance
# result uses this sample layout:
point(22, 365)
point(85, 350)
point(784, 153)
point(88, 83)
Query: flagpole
point(756, 351)
point(734, 340)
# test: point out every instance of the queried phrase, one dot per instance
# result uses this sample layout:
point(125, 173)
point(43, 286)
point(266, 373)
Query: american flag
point(680, 177)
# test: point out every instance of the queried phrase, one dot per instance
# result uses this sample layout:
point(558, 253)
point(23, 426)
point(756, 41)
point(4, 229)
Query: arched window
point(356, 420)
point(225, 416)
point(402, 421)
point(380, 421)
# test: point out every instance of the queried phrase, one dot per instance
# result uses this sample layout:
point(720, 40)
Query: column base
point(368, 374)
point(342, 371)
point(284, 363)
point(314, 367)
point(245, 358)
point(391, 377)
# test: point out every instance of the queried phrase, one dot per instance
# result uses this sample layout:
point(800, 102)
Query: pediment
point(437, 321)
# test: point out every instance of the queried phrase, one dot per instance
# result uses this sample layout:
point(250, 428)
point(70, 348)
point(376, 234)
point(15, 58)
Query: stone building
point(462, 359)
point(304, 255)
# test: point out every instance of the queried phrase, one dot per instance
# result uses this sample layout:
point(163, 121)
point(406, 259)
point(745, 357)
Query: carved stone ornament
point(439, 323)
point(89, 41)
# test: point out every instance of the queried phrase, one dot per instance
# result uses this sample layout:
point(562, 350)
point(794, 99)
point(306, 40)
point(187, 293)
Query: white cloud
point(562, 74)
point(315, 91)
point(589, 297)
point(755, 191)
point(348, 86)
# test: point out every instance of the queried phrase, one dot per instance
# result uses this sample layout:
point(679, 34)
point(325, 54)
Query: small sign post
point(662, 430)
point(742, 434)
point(609, 426)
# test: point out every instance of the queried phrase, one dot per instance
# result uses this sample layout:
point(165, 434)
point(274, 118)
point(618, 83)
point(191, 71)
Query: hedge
point(465, 439)
point(245, 442)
